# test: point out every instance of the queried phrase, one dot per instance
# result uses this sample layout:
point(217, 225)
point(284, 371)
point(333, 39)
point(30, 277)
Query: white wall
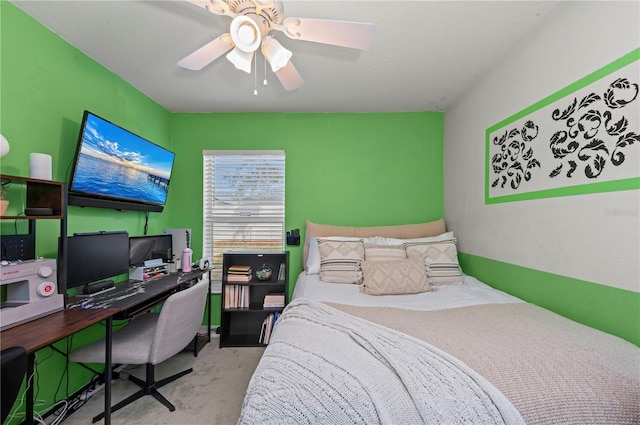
point(591, 237)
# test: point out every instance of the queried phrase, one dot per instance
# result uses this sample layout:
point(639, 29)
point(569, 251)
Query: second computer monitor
point(150, 247)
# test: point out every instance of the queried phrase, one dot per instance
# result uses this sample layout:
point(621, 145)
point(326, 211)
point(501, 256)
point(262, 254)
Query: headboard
point(404, 231)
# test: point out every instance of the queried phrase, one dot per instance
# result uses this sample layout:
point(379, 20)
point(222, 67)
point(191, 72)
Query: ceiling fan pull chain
point(255, 75)
point(265, 71)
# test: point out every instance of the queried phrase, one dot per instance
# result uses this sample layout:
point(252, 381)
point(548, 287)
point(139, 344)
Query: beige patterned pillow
point(394, 277)
point(440, 259)
point(384, 252)
point(340, 260)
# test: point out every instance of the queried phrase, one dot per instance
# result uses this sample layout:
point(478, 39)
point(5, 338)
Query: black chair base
point(148, 387)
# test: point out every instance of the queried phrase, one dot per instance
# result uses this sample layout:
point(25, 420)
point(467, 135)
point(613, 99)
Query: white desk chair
point(151, 339)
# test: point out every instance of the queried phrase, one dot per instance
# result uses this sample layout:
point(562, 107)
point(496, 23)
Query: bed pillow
point(394, 277)
point(340, 261)
point(440, 261)
point(384, 252)
point(312, 265)
point(406, 231)
point(379, 240)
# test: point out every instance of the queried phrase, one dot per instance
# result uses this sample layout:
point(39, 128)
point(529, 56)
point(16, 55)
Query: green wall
point(345, 169)
point(612, 310)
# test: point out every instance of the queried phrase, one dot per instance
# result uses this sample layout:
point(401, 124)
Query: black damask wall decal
point(586, 134)
point(593, 133)
point(515, 160)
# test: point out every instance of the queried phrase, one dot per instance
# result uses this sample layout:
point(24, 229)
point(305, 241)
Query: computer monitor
point(150, 247)
point(94, 257)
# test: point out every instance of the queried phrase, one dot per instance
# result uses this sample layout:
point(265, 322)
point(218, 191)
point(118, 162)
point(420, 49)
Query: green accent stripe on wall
point(612, 310)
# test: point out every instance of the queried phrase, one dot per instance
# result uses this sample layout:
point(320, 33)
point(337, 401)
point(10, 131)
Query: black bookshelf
point(241, 323)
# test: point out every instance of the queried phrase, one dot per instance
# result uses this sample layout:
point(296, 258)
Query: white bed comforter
point(355, 371)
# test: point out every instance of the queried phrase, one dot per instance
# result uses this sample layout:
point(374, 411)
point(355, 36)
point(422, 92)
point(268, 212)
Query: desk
point(135, 298)
point(46, 330)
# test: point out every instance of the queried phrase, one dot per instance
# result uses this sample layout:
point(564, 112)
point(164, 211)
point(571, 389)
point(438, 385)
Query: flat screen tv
point(114, 168)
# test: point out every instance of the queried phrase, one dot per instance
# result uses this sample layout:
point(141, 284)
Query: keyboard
point(132, 298)
point(110, 297)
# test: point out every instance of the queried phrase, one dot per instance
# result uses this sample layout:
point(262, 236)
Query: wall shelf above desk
point(38, 194)
point(26, 193)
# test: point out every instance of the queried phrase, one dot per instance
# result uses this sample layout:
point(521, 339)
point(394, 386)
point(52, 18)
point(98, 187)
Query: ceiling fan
point(253, 20)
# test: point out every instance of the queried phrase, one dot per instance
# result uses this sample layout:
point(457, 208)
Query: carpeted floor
point(212, 394)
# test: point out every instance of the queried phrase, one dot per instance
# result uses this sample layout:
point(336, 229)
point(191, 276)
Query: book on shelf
point(239, 278)
point(236, 296)
point(267, 327)
point(262, 328)
point(282, 272)
point(273, 300)
point(239, 273)
point(239, 270)
point(267, 330)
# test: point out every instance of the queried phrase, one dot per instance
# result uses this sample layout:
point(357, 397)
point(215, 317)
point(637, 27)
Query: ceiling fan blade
point(357, 35)
point(218, 7)
point(207, 53)
point(289, 77)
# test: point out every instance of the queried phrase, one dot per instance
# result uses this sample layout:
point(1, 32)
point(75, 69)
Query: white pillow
point(379, 240)
point(313, 258)
point(376, 240)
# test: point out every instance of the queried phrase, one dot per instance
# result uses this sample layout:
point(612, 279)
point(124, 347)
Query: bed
point(456, 352)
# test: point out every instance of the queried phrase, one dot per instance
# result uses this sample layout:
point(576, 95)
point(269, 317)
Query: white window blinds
point(243, 204)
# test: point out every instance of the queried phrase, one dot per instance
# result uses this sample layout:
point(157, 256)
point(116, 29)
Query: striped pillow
point(440, 259)
point(384, 252)
point(340, 260)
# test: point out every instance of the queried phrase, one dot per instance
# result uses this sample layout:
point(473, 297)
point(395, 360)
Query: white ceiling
point(425, 54)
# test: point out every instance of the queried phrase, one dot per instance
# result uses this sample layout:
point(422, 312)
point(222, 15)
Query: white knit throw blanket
point(323, 366)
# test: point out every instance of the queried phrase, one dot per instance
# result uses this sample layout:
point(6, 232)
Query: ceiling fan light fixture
point(245, 33)
point(253, 20)
point(240, 59)
point(276, 54)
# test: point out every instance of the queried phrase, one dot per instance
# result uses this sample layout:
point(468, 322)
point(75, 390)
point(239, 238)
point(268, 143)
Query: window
point(243, 194)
